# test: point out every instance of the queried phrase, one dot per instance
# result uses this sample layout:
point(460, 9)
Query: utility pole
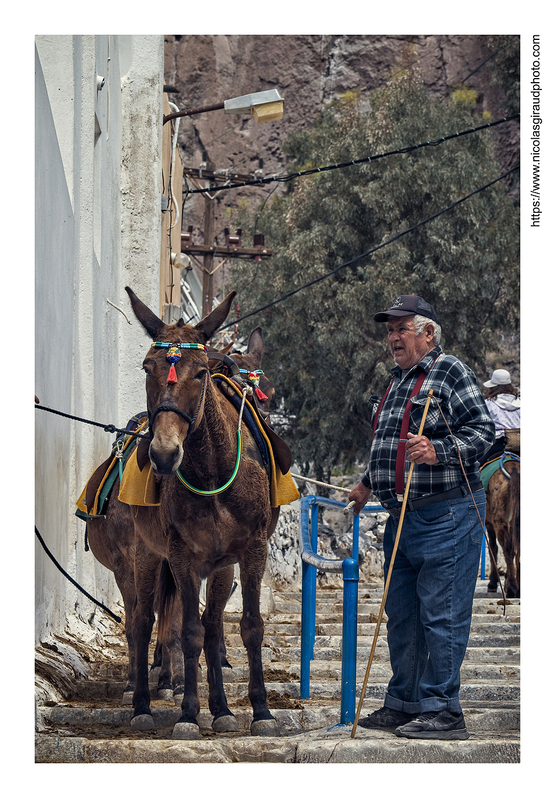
point(209, 250)
point(208, 259)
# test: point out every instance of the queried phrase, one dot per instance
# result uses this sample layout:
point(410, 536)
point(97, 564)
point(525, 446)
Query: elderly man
point(429, 603)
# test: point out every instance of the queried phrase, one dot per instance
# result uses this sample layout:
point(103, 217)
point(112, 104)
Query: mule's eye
point(201, 374)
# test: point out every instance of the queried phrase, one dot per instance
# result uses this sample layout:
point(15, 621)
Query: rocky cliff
point(308, 71)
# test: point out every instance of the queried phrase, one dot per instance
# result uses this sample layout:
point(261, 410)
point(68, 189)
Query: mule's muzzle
point(165, 458)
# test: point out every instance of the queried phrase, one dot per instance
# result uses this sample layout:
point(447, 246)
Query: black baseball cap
point(408, 305)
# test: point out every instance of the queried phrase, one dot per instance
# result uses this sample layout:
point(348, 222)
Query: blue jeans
point(429, 602)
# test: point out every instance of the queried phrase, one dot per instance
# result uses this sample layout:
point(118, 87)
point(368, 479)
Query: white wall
point(97, 229)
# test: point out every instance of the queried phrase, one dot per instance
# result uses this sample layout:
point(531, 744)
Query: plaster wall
point(97, 221)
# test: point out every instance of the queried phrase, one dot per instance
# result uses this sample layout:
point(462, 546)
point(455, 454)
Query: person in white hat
point(503, 404)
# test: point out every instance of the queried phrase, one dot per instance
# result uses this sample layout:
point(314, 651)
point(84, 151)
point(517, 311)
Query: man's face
point(407, 348)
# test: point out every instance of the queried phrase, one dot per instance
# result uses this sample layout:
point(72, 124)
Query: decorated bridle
point(254, 377)
point(172, 356)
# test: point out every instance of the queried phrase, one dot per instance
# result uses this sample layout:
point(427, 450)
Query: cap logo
point(398, 303)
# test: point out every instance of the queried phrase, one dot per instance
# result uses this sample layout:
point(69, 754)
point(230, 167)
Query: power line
point(371, 251)
point(316, 170)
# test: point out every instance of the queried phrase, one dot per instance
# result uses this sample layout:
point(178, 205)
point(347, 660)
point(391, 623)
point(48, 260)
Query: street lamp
point(265, 106)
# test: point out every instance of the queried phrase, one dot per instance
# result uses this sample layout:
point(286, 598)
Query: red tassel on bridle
point(254, 377)
point(172, 374)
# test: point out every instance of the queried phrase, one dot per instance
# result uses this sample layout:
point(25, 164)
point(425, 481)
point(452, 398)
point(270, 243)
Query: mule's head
point(250, 365)
point(177, 378)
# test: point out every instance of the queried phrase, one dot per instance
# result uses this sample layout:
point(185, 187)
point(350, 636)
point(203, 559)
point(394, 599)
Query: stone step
point(310, 716)
point(333, 625)
point(334, 746)
point(290, 658)
point(330, 669)
point(312, 734)
point(474, 686)
point(335, 615)
point(326, 612)
point(500, 635)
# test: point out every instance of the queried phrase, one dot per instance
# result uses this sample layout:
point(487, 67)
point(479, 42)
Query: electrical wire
point(374, 249)
point(368, 159)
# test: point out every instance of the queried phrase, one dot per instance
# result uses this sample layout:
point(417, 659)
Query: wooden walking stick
point(389, 571)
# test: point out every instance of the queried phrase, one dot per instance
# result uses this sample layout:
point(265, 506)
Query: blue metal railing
point(311, 563)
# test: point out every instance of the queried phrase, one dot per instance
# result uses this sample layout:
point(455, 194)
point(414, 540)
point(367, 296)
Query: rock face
point(308, 71)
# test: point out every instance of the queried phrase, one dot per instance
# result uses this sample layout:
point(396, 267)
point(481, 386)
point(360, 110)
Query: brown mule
point(194, 438)
point(503, 525)
point(112, 541)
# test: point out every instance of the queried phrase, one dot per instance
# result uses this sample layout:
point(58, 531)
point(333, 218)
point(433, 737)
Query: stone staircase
point(93, 726)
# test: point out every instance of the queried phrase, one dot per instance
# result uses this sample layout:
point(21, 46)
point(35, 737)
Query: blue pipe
point(349, 643)
point(311, 563)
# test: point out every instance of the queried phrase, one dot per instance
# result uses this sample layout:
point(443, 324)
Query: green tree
point(324, 352)
point(505, 70)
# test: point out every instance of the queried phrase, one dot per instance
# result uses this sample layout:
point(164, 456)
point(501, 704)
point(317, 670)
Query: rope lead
point(73, 582)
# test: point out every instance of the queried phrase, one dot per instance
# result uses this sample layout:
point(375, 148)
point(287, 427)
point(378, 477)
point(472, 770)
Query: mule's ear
point(208, 326)
point(150, 321)
point(255, 347)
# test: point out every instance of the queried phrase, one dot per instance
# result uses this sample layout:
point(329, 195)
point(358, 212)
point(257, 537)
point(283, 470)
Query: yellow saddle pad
point(138, 487)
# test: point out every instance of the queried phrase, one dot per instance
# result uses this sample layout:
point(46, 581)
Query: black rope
point(402, 151)
point(106, 427)
point(369, 251)
point(73, 582)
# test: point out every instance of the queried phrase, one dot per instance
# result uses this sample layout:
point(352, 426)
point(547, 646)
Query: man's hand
point(420, 450)
point(359, 495)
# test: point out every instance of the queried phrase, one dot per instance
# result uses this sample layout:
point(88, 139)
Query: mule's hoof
point(142, 722)
point(165, 695)
point(127, 698)
point(178, 699)
point(185, 731)
point(264, 728)
point(225, 723)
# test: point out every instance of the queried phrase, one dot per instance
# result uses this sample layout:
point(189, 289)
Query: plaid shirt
point(455, 388)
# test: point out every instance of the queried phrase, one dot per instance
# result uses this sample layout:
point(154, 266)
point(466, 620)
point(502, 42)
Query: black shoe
point(442, 725)
point(385, 718)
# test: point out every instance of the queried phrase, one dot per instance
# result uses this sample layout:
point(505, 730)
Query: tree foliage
point(324, 352)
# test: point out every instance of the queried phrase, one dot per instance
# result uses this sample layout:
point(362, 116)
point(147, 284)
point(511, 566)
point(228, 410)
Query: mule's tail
point(165, 598)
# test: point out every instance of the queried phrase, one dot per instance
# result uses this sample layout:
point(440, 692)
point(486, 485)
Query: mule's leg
point(125, 580)
point(492, 539)
point(252, 633)
point(176, 656)
point(112, 541)
point(146, 566)
point(192, 637)
point(127, 697)
point(123, 573)
point(164, 688)
point(509, 553)
point(217, 594)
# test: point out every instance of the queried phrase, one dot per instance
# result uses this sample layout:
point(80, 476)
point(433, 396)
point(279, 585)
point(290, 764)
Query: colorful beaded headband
point(173, 354)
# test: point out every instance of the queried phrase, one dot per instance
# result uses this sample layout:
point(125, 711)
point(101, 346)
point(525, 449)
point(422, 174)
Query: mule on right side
point(503, 525)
